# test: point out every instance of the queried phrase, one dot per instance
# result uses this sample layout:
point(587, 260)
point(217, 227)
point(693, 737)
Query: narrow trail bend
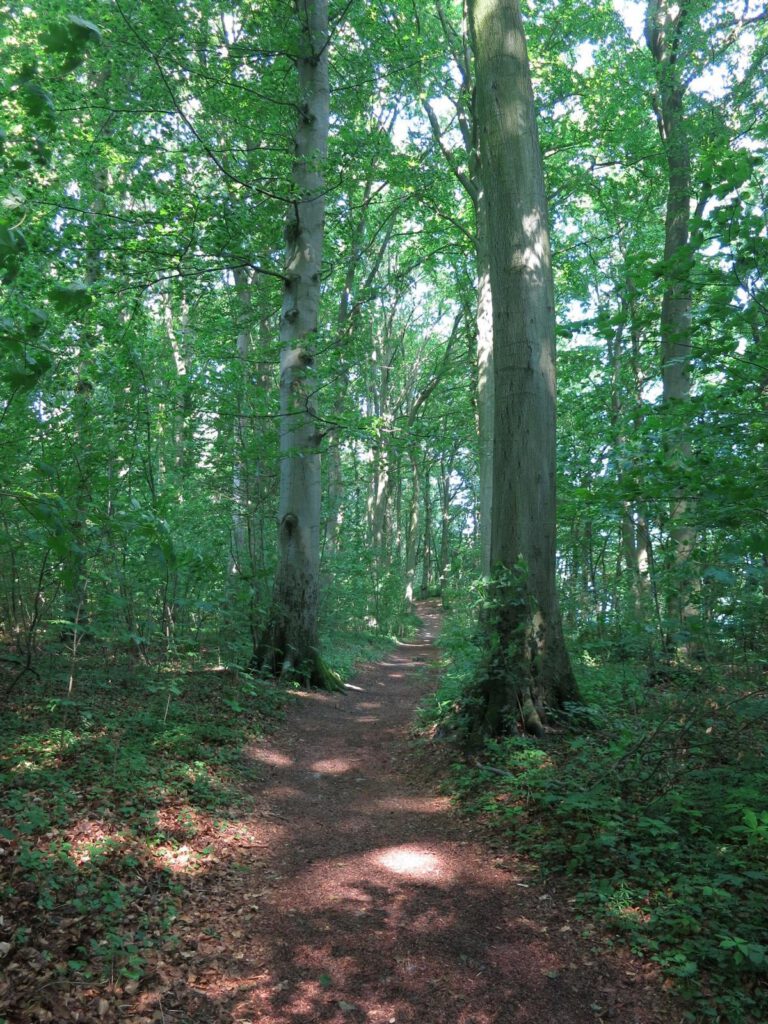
point(359, 895)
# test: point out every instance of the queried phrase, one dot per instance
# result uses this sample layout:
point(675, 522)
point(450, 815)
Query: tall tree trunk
point(460, 47)
point(346, 317)
point(241, 554)
point(527, 665)
point(179, 333)
point(378, 504)
point(664, 27)
point(485, 385)
point(75, 568)
point(289, 645)
point(335, 491)
point(444, 557)
point(412, 534)
point(426, 558)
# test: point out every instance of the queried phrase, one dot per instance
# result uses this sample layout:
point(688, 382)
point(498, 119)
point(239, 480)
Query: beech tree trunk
point(663, 31)
point(346, 319)
point(426, 553)
point(485, 385)
point(527, 667)
point(241, 556)
point(76, 614)
point(470, 178)
point(444, 556)
point(412, 534)
point(289, 645)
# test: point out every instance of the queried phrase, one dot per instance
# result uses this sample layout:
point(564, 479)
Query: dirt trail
point(358, 894)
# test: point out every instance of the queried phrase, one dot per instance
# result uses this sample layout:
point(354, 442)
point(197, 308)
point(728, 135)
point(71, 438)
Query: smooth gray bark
point(665, 23)
point(289, 645)
point(241, 560)
point(527, 666)
point(412, 534)
point(485, 381)
point(76, 614)
point(471, 181)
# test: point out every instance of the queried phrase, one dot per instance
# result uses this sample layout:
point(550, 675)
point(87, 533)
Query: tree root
point(531, 719)
point(313, 673)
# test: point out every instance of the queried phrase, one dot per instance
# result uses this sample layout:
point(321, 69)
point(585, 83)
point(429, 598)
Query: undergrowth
point(88, 785)
point(653, 800)
point(100, 787)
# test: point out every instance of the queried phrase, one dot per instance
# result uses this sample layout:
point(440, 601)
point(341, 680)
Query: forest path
point(357, 894)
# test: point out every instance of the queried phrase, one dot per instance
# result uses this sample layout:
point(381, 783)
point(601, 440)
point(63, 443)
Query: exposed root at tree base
point(315, 674)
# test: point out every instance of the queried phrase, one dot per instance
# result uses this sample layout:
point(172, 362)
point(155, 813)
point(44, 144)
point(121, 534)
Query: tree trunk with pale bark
point(664, 28)
point(289, 644)
point(527, 668)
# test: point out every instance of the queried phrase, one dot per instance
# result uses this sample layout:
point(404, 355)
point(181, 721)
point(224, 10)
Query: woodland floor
point(352, 892)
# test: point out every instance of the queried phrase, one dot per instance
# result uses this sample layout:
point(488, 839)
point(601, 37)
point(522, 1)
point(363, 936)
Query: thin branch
point(180, 112)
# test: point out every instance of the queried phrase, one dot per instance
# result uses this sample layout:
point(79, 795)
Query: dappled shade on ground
point(349, 891)
point(366, 899)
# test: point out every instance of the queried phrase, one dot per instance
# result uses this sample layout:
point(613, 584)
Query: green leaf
point(12, 241)
point(69, 298)
point(38, 101)
point(84, 30)
point(36, 323)
point(57, 39)
point(28, 375)
point(750, 819)
point(71, 37)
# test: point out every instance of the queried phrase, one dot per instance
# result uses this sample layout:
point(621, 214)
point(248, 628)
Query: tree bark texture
point(289, 646)
point(412, 534)
point(527, 666)
point(76, 613)
point(664, 33)
point(485, 385)
point(470, 179)
point(242, 558)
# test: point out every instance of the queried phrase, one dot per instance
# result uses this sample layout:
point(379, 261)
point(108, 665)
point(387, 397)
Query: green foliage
point(145, 160)
point(652, 800)
point(70, 298)
point(347, 649)
point(451, 711)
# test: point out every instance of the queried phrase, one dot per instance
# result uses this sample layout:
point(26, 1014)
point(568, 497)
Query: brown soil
point(355, 893)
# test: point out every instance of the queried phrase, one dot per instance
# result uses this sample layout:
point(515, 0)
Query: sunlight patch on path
point(273, 758)
point(414, 862)
point(333, 766)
